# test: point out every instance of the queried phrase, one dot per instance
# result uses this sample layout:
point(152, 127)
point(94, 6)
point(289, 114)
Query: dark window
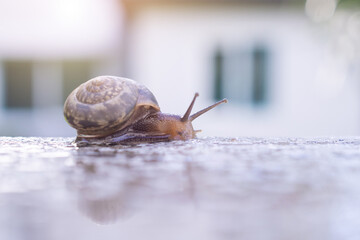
point(260, 58)
point(18, 84)
point(74, 74)
point(219, 62)
point(241, 75)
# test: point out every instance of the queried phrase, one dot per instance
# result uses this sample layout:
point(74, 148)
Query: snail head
point(181, 128)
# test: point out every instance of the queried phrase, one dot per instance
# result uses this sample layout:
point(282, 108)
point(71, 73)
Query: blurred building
point(287, 69)
point(48, 51)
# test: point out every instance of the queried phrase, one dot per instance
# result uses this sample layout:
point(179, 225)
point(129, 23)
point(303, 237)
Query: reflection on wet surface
point(208, 188)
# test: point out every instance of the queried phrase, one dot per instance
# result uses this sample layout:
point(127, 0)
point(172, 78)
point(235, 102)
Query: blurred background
point(288, 67)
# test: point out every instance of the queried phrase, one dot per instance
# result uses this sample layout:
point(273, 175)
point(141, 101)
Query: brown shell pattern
point(103, 104)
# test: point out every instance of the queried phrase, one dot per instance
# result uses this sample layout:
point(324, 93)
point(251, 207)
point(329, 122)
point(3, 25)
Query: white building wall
point(59, 29)
point(2, 87)
point(171, 52)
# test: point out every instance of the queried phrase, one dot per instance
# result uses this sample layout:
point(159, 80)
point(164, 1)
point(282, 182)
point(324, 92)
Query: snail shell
point(106, 104)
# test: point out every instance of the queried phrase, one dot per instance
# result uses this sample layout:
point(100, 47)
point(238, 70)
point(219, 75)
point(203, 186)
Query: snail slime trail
point(109, 110)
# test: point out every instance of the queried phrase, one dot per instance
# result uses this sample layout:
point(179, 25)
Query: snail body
point(115, 110)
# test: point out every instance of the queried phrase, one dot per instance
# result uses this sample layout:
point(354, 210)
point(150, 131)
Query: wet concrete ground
point(209, 188)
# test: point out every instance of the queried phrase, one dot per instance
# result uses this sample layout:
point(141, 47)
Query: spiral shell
point(105, 104)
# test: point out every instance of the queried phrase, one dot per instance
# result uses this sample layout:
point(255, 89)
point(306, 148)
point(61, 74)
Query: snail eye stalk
point(188, 111)
point(201, 112)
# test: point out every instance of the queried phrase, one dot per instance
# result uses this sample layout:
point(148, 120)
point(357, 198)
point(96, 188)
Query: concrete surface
point(209, 188)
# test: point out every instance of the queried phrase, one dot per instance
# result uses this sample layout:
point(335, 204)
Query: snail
point(114, 110)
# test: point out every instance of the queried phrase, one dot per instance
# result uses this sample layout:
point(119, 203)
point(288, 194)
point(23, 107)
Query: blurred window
point(42, 84)
point(241, 75)
point(47, 84)
point(18, 84)
point(74, 74)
